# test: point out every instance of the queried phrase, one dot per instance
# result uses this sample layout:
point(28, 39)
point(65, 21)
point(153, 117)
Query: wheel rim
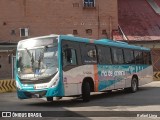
point(134, 85)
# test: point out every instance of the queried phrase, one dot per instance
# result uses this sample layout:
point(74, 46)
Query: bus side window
point(69, 57)
point(117, 55)
point(88, 53)
point(150, 58)
point(129, 56)
point(147, 58)
point(104, 55)
point(139, 57)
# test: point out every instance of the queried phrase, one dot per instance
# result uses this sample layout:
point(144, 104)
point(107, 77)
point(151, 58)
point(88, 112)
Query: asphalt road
point(142, 105)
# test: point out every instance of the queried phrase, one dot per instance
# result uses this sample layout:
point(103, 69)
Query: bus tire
point(86, 91)
point(109, 91)
point(49, 99)
point(134, 85)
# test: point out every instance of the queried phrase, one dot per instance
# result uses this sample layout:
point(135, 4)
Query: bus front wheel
point(86, 91)
point(49, 99)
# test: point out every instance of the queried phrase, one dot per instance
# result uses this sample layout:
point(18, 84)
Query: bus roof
point(107, 42)
point(34, 38)
point(119, 44)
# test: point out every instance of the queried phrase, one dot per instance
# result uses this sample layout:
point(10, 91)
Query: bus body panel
point(109, 77)
point(120, 76)
point(52, 88)
point(145, 75)
point(73, 79)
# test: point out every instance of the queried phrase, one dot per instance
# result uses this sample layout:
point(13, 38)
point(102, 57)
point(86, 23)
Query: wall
point(5, 66)
point(44, 17)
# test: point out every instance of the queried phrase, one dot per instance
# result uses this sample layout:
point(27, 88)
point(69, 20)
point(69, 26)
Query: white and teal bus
point(62, 65)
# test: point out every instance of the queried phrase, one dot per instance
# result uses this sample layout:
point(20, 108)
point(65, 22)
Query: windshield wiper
point(32, 59)
point(41, 56)
point(30, 55)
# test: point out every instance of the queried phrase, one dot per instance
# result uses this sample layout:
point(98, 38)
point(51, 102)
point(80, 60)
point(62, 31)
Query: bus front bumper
point(25, 94)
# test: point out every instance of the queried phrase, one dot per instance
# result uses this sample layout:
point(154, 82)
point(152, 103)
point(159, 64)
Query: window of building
point(104, 32)
point(117, 55)
point(88, 54)
point(24, 32)
point(104, 55)
point(75, 4)
point(89, 3)
point(4, 23)
point(69, 57)
point(13, 32)
point(75, 32)
point(89, 31)
point(129, 56)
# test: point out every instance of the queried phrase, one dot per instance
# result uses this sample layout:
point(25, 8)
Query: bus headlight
point(18, 85)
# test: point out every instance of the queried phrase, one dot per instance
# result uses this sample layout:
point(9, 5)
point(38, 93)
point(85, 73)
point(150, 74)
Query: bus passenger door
point(71, 72)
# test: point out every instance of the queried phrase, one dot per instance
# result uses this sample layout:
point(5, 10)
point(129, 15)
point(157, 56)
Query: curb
point(7, 86)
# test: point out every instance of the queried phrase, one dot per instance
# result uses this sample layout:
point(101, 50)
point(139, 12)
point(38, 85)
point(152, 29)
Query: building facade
point(21, 19)
point(7, 51)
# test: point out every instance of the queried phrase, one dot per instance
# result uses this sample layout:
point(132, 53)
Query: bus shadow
point(145, 96)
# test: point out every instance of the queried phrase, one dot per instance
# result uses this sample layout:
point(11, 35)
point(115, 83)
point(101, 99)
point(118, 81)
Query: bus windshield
point(38, 61)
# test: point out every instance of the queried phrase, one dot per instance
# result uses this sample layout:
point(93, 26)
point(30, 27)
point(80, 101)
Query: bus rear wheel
point(134, 86)
point(86, 91)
